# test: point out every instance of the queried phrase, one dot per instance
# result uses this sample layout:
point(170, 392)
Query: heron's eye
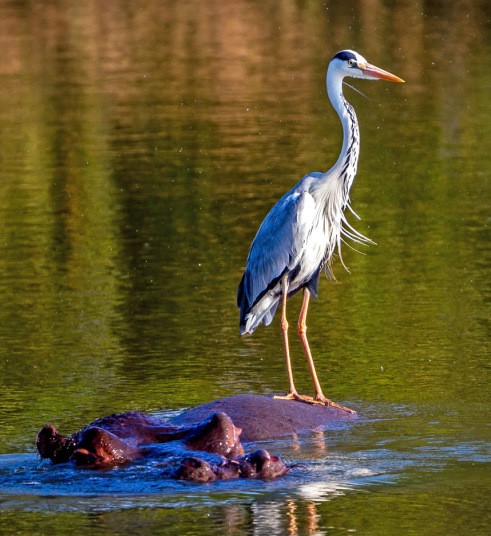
point(351, 62)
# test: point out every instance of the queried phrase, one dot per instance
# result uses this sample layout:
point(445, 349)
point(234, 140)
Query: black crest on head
point(345, 55)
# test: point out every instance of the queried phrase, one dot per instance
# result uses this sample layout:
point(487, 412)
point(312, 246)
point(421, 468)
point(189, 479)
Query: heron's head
point(350, 63)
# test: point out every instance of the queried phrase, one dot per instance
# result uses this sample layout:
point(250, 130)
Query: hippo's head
point(51, 444)
point(260, 464)
point(216, 434)
point(195, 469)
point(99, 448)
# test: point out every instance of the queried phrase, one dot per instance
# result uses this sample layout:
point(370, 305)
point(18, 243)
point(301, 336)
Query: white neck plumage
point(345, 167)
point(332, 189)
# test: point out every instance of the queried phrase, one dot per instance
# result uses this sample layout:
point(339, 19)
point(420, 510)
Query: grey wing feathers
point(275, 250)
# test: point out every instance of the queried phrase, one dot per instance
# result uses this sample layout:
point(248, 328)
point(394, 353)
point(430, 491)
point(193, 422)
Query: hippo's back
point(264, 417)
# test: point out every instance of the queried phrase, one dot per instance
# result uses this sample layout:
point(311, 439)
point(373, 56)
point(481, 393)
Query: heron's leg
point(302, 331)
point(292, 393)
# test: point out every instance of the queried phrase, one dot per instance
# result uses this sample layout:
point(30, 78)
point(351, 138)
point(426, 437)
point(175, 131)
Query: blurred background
point(141, 145)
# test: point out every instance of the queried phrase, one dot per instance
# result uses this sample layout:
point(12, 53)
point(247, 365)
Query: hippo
point(258, 464)
point(265, 417)
point(119, 438)
point(210, 428)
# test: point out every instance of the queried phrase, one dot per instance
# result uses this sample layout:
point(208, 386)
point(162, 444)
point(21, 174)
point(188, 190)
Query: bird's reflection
point(291, 515)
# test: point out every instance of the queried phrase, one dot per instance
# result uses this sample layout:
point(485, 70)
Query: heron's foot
point(327, 402)
point(320, 400)
point(288, 396)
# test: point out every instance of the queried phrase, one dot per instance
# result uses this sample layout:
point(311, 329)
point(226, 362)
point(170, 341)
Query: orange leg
point(302, 331)
point(292, 393)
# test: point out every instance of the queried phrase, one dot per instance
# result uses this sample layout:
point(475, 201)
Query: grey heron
point(300, 234)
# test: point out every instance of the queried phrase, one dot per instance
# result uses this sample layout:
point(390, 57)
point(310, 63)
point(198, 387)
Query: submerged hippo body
point(215, 428)
point(265, 417)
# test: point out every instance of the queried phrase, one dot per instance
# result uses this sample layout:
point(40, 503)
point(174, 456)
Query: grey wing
point(277, 247)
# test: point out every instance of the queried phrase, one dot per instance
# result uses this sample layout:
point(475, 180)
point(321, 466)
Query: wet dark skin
point(258, 464)
point(121, 438)
point(216, 427)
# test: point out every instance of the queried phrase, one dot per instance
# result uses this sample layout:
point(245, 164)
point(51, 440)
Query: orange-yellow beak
point(376, 72)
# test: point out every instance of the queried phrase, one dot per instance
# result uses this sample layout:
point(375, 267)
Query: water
point(141, 146)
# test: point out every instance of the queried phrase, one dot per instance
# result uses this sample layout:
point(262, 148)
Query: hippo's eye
point(351, 62)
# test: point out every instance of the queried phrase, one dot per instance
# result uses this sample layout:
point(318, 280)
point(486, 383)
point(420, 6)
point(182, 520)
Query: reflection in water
point(141, 146)
point(292, 517)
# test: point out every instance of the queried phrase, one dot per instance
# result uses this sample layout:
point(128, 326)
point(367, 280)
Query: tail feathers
point(262, 312)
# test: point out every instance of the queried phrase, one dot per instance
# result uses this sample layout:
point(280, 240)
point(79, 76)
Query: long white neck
point(331, 189)
point(345, 167)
